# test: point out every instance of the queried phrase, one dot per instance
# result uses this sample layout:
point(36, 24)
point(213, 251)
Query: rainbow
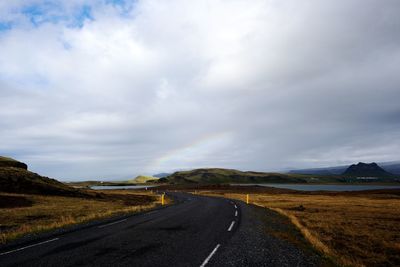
point(188, 155)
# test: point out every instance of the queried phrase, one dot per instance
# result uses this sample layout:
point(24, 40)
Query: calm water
point(301, 187)
point(327, 187)
point(106, 187)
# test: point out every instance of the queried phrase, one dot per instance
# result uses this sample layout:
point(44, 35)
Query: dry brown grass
point(22, 214)
point(354, 230)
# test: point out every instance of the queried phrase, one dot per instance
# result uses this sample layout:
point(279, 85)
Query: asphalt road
point(198, 231)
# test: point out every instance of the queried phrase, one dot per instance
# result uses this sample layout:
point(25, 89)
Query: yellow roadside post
point(162, 199)
point(247, 199)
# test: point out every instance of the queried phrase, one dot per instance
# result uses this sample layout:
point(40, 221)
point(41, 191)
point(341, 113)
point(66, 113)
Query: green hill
point(15, 178)
point(217, 175)
point(141, 179)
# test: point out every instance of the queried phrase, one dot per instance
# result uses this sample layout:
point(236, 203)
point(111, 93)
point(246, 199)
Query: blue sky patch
point(116, 2)
point(44, 13)
point(84, 13)
point(125, 6)
point(53, 12)
point(5, 26)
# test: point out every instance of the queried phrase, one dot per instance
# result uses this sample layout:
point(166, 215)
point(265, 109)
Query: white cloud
point(266, 84)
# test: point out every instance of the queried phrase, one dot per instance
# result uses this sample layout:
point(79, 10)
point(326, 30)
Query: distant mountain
point(321, 171)
point(366, 170)
point(392, 167)
point(15, 178)
point(161, 175)
point(217, 175)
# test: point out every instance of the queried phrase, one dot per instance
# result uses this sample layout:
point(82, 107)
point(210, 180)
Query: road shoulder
point(266, 238)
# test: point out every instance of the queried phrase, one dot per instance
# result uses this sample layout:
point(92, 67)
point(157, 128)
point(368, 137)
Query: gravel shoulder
point(266, 238)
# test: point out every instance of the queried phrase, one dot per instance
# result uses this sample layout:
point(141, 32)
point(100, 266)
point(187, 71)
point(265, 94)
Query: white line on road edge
point(151, 212)
point(235, 207)
point(108, 224)
point(231, 226)
point(34, 245)
point(209, 256)
point(236, 213)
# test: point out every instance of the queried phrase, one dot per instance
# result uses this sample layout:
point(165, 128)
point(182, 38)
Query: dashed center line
point(236, 213)
point(235, 206)
point(209, 256)
point(108, 224)
point(231, 226)
point(34, 245)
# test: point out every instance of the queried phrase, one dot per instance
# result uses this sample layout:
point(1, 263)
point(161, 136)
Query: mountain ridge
point(219, 175)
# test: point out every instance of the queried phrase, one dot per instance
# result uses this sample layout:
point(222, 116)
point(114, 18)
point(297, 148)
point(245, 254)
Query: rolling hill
point(142, 179)
point(217, 175)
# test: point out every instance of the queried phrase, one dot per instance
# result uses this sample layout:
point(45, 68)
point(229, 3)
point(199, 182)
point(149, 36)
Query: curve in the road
point(198, 231)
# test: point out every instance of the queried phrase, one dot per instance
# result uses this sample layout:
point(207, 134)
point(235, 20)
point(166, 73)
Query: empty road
point(197, 231)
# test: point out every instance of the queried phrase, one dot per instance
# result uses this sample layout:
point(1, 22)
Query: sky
point(110, 89)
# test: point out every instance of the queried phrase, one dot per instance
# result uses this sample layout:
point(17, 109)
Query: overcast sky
point(97, 89)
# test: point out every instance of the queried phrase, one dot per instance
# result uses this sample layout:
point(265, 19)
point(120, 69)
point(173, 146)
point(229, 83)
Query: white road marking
point(150, 212)
point(34, 245)
point(108, 224)
point(236, 213)
point(235, 207)
point(209, 256)
point(231, 226)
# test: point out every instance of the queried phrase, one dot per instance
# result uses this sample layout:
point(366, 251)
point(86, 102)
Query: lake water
point(107, 187)
point(326, 187)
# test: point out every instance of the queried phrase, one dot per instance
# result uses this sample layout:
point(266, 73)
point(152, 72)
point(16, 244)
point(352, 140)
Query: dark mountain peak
point(366, 169)
point(372, 164)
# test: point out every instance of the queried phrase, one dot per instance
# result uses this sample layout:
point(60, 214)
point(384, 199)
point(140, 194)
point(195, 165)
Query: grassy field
point(21, 214)
point(360, 229)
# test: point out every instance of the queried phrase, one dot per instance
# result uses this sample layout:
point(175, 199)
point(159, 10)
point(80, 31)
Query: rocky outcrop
point(9, 162)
